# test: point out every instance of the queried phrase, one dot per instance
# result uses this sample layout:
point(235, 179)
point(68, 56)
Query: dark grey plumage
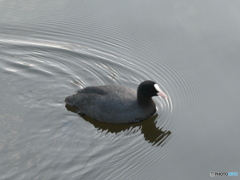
point(115, 104)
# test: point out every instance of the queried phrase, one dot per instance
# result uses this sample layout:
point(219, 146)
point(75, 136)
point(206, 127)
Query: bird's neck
point(143, 100)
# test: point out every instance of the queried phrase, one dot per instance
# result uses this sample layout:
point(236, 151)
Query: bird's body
point(113, 104)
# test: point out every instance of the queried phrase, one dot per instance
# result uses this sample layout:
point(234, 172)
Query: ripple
point(84, 66)
point(40, 55)
point(183, 87)
point(66, 67)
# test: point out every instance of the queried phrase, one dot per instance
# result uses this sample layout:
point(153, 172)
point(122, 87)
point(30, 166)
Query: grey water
point(50, 49)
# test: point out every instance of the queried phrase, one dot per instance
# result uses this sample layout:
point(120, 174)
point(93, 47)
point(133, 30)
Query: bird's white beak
point(160, 92)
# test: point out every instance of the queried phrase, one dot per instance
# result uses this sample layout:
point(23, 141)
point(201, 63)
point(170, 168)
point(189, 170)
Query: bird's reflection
point(154, 135)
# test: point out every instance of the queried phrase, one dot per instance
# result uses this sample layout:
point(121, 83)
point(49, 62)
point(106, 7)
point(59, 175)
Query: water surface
point(50, 50)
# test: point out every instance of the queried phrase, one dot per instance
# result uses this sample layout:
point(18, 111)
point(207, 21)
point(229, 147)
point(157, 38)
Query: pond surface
point(50, 49)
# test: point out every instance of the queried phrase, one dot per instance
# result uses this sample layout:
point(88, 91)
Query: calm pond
point(50, 49)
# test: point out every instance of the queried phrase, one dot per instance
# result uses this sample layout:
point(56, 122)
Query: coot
point(116, 104)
